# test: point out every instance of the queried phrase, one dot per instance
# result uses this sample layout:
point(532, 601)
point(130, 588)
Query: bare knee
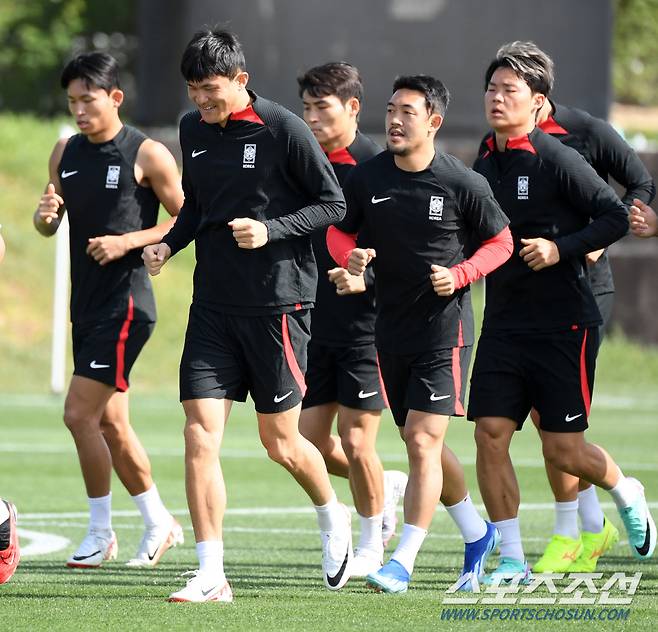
point(77, 421)
point(356, 445)
point(560, 456)
point(489, 440)
point(422, 446)
point(199, 441)
point(281, 451)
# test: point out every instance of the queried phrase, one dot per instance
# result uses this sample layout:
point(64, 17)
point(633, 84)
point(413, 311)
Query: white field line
point(231, 453)
point(40, 543)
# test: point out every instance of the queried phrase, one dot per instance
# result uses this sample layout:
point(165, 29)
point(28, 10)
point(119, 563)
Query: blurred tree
point(38, 36)
point(635, 57)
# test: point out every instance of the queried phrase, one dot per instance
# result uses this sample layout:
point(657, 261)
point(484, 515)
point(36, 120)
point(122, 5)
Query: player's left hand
point(643, 220)
point(249, 233)
point(442, 280)
point(539, 253)
point(345, 282)
point(107, 248)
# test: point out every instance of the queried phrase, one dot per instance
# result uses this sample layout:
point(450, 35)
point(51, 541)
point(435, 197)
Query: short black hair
point(436, 94)
point(212, 52)
point(334, 78)
point(528, 62)
point(97, 69)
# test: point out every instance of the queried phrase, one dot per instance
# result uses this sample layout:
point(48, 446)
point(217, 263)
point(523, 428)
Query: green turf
point(272, 558)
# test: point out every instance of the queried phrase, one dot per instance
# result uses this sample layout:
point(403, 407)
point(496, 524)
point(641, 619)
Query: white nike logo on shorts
point(363, 395)
point(94, 365)
point(278, 399)
point(66, 174)
point(569, 418)
point(196, 152)
point(376, 200)
point(436, 398)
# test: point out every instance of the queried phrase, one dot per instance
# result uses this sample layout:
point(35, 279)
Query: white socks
point(589, 510)
point(371, 535)
point(100, 510)
point(510, 543)
point(151, 507)
point(566, 519)
point(468, 520)
point(211, 558)
point(410, 543)
point(330, 516)
point(624, 492)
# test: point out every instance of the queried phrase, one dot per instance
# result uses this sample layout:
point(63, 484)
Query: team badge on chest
point(522, 188)
point(436, 208)
point(249, 156)
point(112, 178)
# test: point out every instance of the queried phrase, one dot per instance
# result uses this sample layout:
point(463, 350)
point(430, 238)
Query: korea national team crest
point(436, 208)
point(112, 178)
point(522, 188)
point(249, 156)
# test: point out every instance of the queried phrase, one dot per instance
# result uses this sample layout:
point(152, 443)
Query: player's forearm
point(492, 254)
point(183, 230)
point(153, 235)
point(305, 221)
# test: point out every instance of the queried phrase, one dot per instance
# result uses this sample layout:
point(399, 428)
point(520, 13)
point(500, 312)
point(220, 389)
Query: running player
point(343, 377)
point(540, 330)
point(111, 179)
point(256, 186)
point(610, 156)
point(417, 207)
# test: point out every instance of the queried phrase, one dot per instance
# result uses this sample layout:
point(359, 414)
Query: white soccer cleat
point(365, 562)
point(201, 588)
point(98, 546)
point(395, 484)
point(337, 553)
point(156, 541)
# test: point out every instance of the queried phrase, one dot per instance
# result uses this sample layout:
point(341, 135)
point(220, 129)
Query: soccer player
point(644, 222)
point(10, 553)
point(256, 184)
point(610, 155)
point(343, 376)
point(111, 178)
point(540, 330)
point(418, 208)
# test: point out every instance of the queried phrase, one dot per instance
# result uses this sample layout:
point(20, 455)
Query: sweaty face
point(216, 97)
point(409, 124)
point(93, 108)
point(328, 118)
point(509, 103)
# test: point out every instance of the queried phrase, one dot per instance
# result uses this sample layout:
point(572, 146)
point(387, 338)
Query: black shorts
point(226, 356)
point(347, 375)
point(431, 382)
point(553, 373)
point(106, 351)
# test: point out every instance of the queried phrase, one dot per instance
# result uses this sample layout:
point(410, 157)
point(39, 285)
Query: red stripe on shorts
point(291, 359)
point(121, 382)
point(381, 384)
point(457, 371)
point(584, 383)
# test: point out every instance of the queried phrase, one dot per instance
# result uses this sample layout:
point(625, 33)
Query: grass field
point(272, 545)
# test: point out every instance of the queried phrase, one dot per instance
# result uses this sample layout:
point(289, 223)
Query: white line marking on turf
point(41, 543)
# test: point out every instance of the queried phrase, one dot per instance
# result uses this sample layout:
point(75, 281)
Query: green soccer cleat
point(594, 546)
point(560, 553)
point(508, 571)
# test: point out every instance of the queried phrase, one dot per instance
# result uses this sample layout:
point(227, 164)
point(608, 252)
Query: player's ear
point(353, 106)
point(117, 97)
point(242, 79)
point(436, 120)
point(538, 101)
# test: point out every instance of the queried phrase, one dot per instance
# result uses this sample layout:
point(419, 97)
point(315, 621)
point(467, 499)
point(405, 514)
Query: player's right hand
point(643, 220)
point(155, 257)
point(49, 205)
point(359, 259)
